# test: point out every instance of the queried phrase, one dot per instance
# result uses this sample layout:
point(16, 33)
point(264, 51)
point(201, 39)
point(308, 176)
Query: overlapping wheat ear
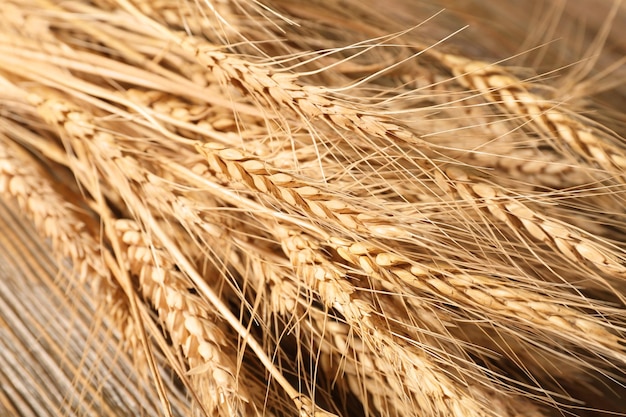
point(301, 226)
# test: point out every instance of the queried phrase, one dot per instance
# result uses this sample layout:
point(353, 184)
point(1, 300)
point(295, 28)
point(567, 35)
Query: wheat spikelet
point(59, 220)
point(185, 318)
point(501, 87)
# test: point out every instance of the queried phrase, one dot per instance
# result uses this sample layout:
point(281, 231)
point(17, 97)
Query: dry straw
point(301, 220)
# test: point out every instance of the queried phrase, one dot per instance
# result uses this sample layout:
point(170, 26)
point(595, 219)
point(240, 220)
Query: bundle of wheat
point(318, 209)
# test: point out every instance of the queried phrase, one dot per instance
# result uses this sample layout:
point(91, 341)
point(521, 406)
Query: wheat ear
point(280, 89)
point(501, 87)
point(187, 320)
point(534, 168)
point(513, 304)
point(346, 359)
point(576, 245)
point(58, 219)
point(436, 390)
point(358, 365)
point(262, 177)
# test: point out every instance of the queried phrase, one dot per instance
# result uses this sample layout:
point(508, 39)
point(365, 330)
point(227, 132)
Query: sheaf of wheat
point(282, 208)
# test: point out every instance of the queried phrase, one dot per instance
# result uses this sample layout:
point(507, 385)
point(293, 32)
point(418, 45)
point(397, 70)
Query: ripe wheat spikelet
point(186, 320)
point(59, 220)
point(500, 87)
point(303, 220)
